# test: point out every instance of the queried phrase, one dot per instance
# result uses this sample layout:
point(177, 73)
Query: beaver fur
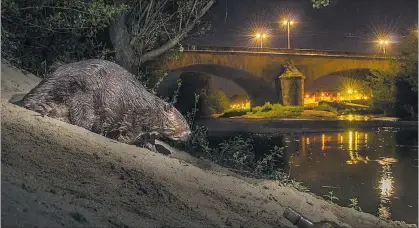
point(104, 98)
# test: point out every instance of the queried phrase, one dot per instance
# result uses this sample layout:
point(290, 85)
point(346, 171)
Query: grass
point(269, 110)
point(238, 155)
point(277, 111)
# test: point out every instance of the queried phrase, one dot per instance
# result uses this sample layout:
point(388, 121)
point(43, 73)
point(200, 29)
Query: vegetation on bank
point(271, 111)
point(396, 90)
point(237, 154)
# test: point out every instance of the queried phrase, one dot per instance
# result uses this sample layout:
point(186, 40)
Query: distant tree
point(211, 100)
point(407, 78)
point(215, 101)
point(395, 92)
point(384, 91)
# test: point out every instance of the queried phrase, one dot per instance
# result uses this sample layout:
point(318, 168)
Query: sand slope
point(56, 174)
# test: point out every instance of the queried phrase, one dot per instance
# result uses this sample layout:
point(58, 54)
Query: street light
point(384, 43)
point(261, 36)
point(288, 23)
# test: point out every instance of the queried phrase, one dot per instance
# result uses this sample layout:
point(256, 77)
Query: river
point(377, 166)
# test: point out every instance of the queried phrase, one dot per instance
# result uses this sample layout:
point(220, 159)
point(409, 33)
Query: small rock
point(309, 203)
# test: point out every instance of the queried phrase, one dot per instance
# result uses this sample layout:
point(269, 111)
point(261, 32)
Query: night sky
point(345, 25)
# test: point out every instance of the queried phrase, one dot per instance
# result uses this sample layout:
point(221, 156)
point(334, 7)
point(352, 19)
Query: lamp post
point(384, 43)
point(288, 23)
point(261, 36)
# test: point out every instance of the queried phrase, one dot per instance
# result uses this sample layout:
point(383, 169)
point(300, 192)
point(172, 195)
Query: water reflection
point(386, 191)
point(351, 117)
point(355, 140)
point(357, 164)
point(377, 167)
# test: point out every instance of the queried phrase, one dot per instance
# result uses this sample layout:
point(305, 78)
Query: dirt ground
point(59, 175)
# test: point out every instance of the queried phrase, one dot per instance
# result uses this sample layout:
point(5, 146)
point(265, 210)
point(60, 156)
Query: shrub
point(269, 110)
point(36, 34)
point(266, 107)
point(216, 101)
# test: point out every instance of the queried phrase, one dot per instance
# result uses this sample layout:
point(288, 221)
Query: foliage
point(236, 153)
point(269, 110)
point(395, 91)
point(406, 103)
point(384, 87)
point(211, 100)
point(331, 197)
point(354, 204)
point(176, 92)
point(215, 101)
point(38, 33)
point(190, 115)
point(409, 67)
point(319, 3)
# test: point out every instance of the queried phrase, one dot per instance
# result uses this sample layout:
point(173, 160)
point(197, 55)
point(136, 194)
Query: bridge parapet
point(283, 51)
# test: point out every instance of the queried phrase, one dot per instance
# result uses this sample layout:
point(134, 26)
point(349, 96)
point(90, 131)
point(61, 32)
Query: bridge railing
point(192, 48)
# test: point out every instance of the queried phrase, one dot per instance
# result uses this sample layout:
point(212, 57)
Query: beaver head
point(172, 125)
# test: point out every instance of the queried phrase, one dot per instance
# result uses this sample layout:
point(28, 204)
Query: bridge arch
point(346, 78)
point(258, 90)
point(340, 66)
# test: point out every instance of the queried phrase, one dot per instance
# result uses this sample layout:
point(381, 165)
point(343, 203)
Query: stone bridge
point(257, 70)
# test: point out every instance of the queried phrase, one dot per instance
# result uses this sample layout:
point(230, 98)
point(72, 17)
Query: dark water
point(377, 166)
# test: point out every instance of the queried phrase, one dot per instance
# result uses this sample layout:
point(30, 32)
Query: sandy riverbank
point(56, 174)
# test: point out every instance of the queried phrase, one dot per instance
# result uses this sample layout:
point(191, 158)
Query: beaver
point(104, 98)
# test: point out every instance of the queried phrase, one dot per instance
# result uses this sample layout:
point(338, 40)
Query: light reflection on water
point(378, 167)
point(361, 165)
point(386, 187)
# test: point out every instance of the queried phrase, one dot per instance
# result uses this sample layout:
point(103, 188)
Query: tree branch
point(171, 43)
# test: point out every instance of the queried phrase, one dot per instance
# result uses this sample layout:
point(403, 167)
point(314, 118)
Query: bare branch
point(171, 43)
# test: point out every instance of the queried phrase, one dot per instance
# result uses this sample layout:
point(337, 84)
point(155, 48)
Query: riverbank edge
point(217, 126)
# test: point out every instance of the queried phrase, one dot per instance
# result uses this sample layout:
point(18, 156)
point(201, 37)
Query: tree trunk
point(118, 32)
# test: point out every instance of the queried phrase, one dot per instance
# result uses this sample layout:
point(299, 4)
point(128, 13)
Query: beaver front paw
point(150, 147)
point(40, 108)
